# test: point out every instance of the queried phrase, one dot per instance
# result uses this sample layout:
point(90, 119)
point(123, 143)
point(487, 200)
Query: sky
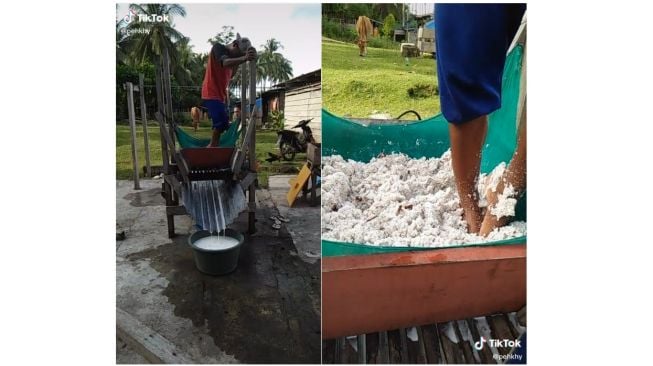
point(296, 26)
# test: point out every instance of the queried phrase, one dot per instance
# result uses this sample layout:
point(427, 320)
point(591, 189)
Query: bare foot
point(472, 215)
point(490, 221)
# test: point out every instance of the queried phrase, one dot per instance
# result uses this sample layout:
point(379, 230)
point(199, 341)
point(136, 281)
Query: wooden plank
point(348, 353)
point(362, 349)
point(240, 153)
point(338, 350)
point(248, 180)
point(296, 186)
point(167, 92)
point(384, 356)
point(485, 354)
point(464, 345)
point(183, 167)
point(176, 210)
point(484, 329)
point(159, 117)
point(452, 353)
point(328, 351)
point(372, 348)
point(521, 316)
point(515, 333)
point(474, 281)
point(132, 128)
point(394, 347)
point(404, 345)
point(416, 352)
point(252, 148)
point(431, 344)
point(146, 140)
point(173, 182)
point(147, 342)
point(517, 328)
point(500, 330)
point(168, 144)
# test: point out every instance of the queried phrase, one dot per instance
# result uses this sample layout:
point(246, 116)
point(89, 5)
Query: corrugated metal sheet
point(302, 103)
point(213, 204)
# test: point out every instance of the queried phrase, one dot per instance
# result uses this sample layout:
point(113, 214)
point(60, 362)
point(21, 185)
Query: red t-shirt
point(216, 77)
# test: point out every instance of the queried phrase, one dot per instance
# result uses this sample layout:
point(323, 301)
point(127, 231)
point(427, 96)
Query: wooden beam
point(132, 128)
point(146, 140)
point(148, 343)
point(173, 182)
point(427, 287)
point(167, 92)
point(240, 153)
point(159, 116)
point(176, 210)
point(248, 180)
point(168, 143)
point(252, 144)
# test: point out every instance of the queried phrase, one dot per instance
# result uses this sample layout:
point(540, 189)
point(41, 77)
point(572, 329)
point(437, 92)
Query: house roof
point(301, 80)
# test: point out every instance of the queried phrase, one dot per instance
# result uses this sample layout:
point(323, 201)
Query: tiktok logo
point(128, 18)
point(497, 343)
point(479, 345)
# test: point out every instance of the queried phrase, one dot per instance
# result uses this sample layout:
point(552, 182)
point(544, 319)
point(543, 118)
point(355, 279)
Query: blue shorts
point(218, 114)
point(471, 44)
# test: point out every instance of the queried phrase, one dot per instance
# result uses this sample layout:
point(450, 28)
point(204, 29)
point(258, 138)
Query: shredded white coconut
point(397, 201)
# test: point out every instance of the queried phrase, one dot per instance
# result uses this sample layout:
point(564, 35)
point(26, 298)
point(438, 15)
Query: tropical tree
point(152, 39)
point(389, 26)
point(225, 36)
point(276, 68)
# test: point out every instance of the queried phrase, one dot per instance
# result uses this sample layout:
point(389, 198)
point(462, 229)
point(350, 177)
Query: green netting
point(227, 139)
point(426, 138)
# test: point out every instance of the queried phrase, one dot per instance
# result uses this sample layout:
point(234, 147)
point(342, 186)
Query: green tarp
point(227, 139)
point(426, 138)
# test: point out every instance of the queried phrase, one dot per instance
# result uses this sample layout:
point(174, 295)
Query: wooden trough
point(371, 293)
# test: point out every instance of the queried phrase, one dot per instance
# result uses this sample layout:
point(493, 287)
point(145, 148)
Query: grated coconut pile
point(398, 201)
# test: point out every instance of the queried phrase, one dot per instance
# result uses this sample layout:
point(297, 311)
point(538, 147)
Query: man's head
point(240, 45)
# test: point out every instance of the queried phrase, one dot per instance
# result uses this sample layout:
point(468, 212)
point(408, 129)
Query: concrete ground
point(267, 311)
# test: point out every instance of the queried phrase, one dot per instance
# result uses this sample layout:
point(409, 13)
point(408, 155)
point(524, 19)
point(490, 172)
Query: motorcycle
point(292, 142)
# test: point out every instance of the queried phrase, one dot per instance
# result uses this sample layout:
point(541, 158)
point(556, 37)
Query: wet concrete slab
point(267, 311)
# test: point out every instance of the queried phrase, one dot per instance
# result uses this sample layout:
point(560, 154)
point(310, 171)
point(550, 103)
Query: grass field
point(265, 142)
point(379, 83)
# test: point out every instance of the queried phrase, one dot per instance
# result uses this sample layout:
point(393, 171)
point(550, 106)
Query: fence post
point(141, 92)
point(132, 127)
point(252, 146)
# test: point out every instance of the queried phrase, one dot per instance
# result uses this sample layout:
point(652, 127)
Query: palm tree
point(183, 68)
point(123, 43)
point(275, 67)
point(152, 39)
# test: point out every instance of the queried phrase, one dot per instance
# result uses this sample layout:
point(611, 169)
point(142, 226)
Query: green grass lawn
point(359, 86)
point(265, 142)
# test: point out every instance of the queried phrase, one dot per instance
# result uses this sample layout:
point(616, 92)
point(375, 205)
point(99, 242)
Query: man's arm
point(220, 53)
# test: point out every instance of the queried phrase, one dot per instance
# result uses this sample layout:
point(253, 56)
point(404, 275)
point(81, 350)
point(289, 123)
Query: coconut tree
point(276, 67)
point(152, 39)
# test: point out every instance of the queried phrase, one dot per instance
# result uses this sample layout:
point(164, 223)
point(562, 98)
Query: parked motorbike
point(292, 142)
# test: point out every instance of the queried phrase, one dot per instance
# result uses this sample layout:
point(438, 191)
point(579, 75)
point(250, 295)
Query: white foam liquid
point(216, 242)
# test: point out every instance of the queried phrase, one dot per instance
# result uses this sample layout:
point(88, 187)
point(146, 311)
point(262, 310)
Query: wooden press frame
point(176, 171)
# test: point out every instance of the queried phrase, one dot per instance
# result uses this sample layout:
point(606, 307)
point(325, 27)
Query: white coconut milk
point(214, 242)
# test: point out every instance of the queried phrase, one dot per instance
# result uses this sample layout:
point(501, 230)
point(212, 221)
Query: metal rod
point(146, 142)
point(132, 127)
